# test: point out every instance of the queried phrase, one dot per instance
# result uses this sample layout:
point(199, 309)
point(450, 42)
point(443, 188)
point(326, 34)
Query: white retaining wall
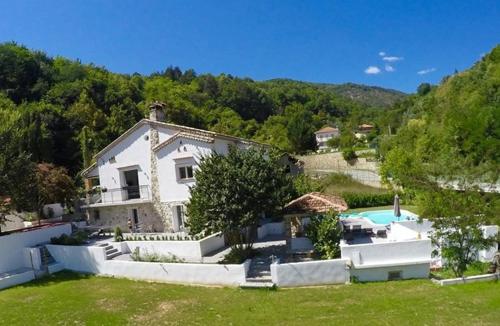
point(190, 250)
point(387, 252)
point(301, 244)
point(12, 246)
point(93, 260)
point(468, 279)
point(374, 261)
point(334, 271)
point(374, 274)
point(488, 254)
point(16, 278)
point(270, 229)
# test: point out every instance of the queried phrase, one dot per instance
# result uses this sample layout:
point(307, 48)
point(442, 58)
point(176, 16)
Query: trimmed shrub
point(356, 200)
point(325, 234)
point(118, 234)
point(76, 239)
point(349, 154)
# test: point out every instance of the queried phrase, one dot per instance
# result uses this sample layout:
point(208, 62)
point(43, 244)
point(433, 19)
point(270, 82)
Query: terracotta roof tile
point(315, 202)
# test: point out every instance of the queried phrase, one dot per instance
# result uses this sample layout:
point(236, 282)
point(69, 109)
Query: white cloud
point(389, 68)
point(392, 58)
point(426, 71)
point(372, 70)
point(382, 53)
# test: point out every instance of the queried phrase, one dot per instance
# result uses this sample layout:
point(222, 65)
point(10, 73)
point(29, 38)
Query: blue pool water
point(382, 217)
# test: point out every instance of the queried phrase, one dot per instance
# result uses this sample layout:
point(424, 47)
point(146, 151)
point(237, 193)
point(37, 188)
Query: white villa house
point(325, 134)
point(145, 174)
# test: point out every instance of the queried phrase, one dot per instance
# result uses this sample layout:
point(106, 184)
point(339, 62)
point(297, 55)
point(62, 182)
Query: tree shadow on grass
point(59, 277)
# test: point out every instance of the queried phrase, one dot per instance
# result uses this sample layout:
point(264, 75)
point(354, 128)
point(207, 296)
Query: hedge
point(357, 200)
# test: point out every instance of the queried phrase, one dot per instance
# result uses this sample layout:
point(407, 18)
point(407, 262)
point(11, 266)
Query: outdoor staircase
point(259, 274)
point(111, 252)
point(46, 259)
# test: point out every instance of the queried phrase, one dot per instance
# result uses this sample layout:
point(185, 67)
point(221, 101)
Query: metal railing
point(120, 194)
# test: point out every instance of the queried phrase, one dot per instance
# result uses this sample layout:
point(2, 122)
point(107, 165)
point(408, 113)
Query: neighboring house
point(363, 130)
point(145, 174)
point(325, 134)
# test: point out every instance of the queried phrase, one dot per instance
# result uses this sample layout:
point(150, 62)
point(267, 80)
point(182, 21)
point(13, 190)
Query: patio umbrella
point(397, 209)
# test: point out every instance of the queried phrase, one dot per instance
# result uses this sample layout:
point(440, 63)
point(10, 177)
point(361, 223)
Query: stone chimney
point(156, 111)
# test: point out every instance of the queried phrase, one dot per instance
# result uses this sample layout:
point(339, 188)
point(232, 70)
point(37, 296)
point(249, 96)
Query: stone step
point(257, 285)
point(113, 255)
point(111, 251)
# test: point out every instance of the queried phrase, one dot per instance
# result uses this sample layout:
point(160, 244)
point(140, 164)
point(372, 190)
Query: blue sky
point(378, 42)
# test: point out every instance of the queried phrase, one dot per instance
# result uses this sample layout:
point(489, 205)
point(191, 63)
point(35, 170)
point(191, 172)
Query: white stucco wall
point(388, 253)
point(15, 279)
point(176, 154)
point(132, 152)
point(12, 246)
point(191, 251)
point(270, 229)
point(488, 254)
point(214, 274)
point(409, 230)
point(332, 271)
point(86, 259)
point(301, 243)
point(381, 273)
point(92, 260)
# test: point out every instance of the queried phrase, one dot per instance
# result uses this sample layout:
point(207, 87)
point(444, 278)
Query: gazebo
point(298, 211)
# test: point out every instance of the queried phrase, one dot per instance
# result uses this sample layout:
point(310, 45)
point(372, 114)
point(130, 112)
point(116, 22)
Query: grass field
point(69, 298)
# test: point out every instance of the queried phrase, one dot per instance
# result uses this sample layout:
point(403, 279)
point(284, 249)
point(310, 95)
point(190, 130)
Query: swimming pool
point(383, 217)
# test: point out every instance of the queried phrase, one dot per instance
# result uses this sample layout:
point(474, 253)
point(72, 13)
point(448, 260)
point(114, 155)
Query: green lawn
point(77, 300)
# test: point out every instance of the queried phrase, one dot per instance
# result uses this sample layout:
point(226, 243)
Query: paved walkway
point(273, 246)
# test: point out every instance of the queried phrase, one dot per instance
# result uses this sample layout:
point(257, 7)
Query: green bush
point(153, 257)
point(304, 184)
point(349, 154)
point(356, 200)
point(118, 234)
point(76, 239)
point(325, 233)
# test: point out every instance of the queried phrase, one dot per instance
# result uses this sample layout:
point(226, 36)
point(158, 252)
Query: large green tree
point(233, 191)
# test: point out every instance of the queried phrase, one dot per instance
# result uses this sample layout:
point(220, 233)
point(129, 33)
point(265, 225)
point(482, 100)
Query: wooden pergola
point(308, 205)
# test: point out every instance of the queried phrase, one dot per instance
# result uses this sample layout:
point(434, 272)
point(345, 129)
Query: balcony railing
point(118, 195)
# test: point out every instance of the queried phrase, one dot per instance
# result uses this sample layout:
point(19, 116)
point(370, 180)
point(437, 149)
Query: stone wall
point(161, 209)
point(111, 217)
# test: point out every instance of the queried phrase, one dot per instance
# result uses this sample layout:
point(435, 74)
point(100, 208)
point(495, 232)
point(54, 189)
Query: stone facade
point(113, 216)
point(163, 210)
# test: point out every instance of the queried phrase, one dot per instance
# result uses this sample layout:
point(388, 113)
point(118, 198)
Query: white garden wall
point(274, 228)
point(374, 274)
point(488, 254)
point(93, 260)
point(214, 274)
point(334, 271)
point(18, 277)
point(190, 250)
point(301, 244)
point(86, 259)
point(12, 246)
point(387, 253)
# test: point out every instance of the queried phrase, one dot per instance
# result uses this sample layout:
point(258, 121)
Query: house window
point(97, 215)
point(394, 275)
point(186, 172)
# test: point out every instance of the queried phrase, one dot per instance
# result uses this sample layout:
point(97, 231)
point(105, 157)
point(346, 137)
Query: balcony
point(119, 196)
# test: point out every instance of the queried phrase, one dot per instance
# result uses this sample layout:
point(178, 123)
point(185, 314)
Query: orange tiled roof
point(315, 202)
point(326, 129)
